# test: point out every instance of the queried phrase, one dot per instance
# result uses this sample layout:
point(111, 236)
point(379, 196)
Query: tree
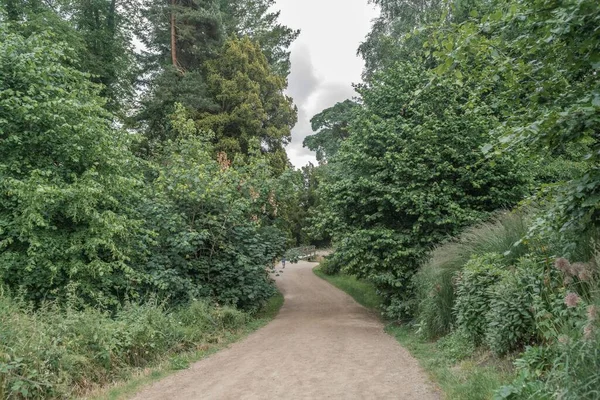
point(410, 175)
point(537, 62)
point(253, 18)
point(331, 127)
point(251, 104)
point(106, 31)
point(67, 179)
point(387, 42)
point(98, 34)
point(215, 222)
point(180, 36)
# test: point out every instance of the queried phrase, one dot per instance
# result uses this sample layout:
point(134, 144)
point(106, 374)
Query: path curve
point(322, 345)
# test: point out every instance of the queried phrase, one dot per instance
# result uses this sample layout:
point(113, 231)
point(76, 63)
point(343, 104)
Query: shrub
point(330, 267)
point(411, 174)
point(511, 320)
point(212, 223)
point(566, 368)
point(54, 353)
point(80, 213)
point(434, 282)
point(68, 182)
point(473, 294)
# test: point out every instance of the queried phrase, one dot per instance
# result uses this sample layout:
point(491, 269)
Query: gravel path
point(322, 345)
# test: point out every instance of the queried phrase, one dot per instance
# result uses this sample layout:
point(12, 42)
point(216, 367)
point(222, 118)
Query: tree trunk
point(173, 38)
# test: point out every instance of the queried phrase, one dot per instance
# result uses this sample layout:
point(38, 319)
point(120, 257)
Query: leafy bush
point(511, 320)
point(53, 353)
point(411, 174)
point(293, 255)
point(556, 44)
point(212, 222)
point(329, 267)
point(474, 294)
point(566, 368)
point(434, 282)
point(68, 184)
point(81, 214)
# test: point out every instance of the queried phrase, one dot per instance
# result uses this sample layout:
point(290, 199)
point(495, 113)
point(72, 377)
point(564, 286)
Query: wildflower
point(562, 264)
point(577, 268)
point(568, 280)
point(585, 275)
point(588, 331)
point(592, 313)
point(571, 299)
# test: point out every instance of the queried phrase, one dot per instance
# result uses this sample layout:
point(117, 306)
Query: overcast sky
point(324, 61)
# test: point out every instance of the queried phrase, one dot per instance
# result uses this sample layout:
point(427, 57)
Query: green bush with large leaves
point(213, 221)
point(81, 215)
point(68, 185)
point(537, 63)
point(410, 175)
point(435, 281)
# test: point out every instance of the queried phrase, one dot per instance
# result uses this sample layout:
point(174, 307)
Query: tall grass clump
point(54, 352)
point(434, 282)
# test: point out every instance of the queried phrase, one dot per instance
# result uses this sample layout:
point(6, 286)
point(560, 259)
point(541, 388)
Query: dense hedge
point(81, 215)
point(410, 175)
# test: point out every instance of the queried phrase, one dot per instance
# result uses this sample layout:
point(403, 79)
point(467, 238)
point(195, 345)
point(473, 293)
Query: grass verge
point(460, 374)
point(363, 292)
point(130, 385)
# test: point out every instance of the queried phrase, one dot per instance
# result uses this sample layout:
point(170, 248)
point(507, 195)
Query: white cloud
point(324, 60)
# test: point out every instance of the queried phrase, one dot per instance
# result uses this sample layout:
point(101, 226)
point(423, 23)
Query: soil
point(322, 345)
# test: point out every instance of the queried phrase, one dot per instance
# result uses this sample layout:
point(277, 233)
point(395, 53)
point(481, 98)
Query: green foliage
point(105, 28)
point(473, 293)
point(475, 377)
point(565, 368)
point(386, 44)
point(293, 255)
point(362, 291)
point(213, 223)
point(237, 82)
point(510, 320)
point(252, 106)
point(434, 283)
point(68, 183)
point(99, 37)
point(313, 233)
point(537, 62)
point(329, 268)
point(99, 244)
point(54, 353)
point(198, 36)
point(76, 217)
point(331, 127)
point(529, 70)
point(411, 174)
point(256, 19)
point(457, 346)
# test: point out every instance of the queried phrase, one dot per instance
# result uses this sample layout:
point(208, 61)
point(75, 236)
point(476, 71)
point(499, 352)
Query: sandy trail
point(322, 345)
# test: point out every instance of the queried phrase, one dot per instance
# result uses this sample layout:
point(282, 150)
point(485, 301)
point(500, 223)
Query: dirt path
point(322, 345)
